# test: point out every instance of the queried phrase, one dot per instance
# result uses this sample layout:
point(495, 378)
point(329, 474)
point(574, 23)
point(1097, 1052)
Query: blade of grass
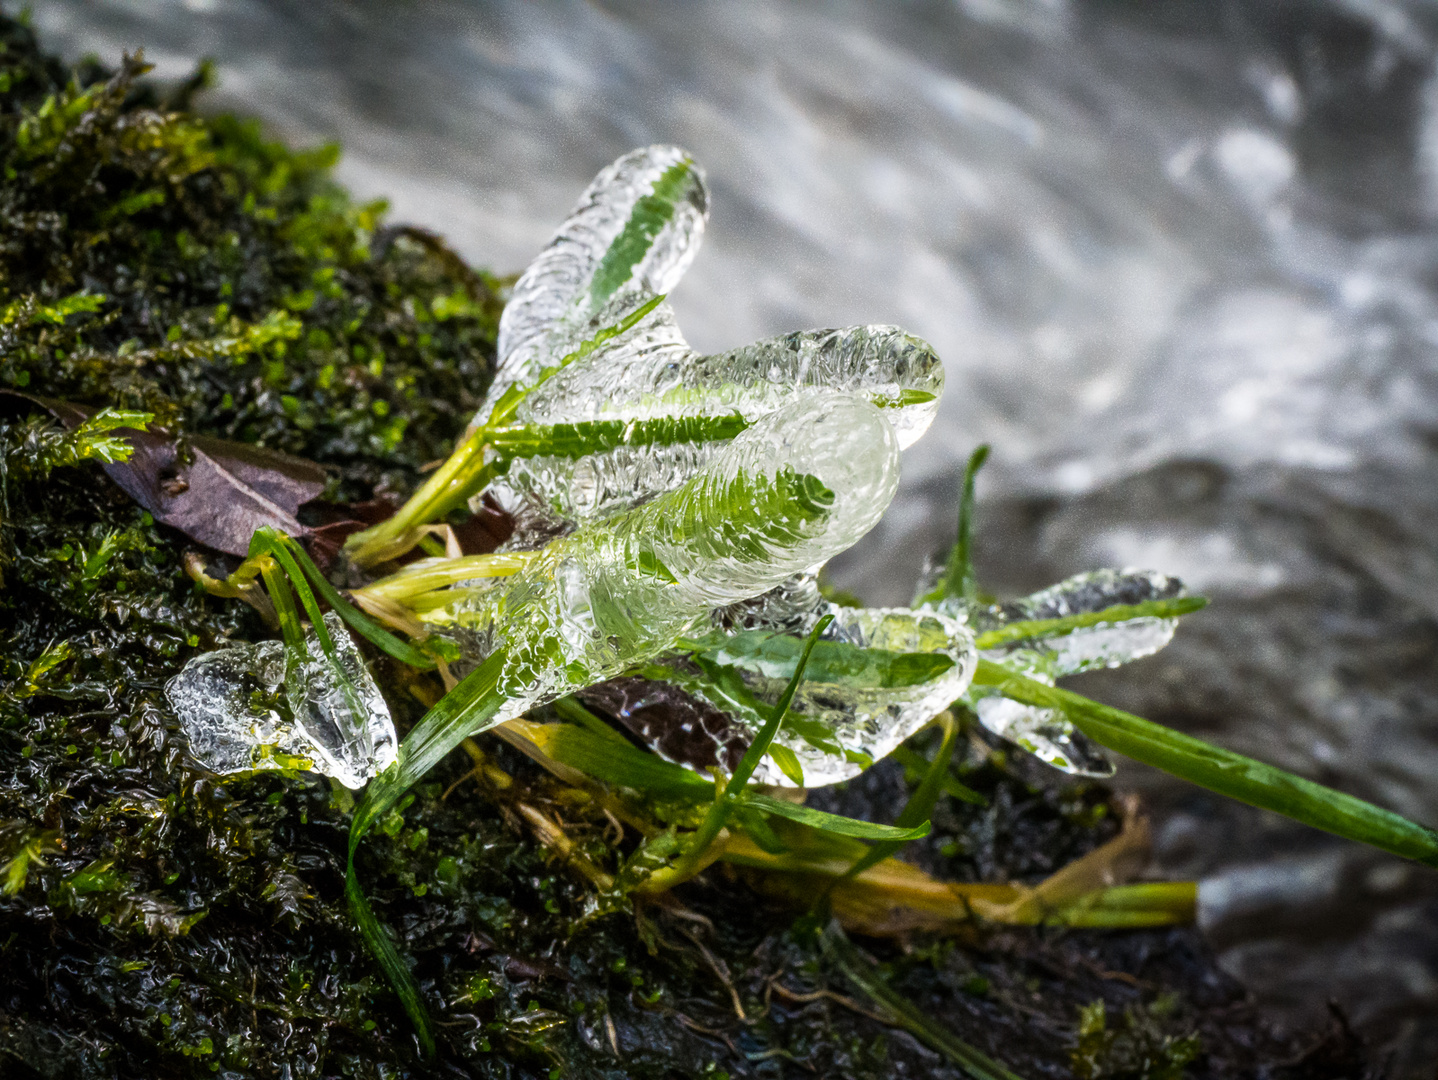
point(958, 581)
point(1036, 629)
point(1221, 770)
point(696, 848)
point(834, 823)
point(471, 707)
point(920, 806)
point(840, 951)
point(287, 550)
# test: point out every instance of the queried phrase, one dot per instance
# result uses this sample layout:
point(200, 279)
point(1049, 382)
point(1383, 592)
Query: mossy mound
point(157, 922)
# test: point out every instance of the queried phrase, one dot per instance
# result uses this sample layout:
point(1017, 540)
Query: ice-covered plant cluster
point(674, 511)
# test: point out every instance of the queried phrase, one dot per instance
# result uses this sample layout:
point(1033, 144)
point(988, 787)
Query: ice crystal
point(239, 715)
point(1043, 732)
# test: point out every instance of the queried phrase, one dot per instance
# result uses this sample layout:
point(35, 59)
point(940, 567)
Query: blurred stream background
point(1180, 259)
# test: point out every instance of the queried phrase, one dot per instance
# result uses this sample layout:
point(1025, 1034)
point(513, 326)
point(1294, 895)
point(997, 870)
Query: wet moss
point(157, 922)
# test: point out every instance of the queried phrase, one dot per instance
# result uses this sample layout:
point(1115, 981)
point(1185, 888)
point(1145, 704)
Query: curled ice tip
point(631, 235)
point(836, 450)
point(651, 372)
point(1047, 735)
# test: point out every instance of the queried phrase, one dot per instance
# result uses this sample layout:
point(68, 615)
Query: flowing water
point(1179, 260)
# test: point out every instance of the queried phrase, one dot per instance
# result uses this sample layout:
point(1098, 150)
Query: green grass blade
point(833, 823)
point(858, 970)
point(920, 806)
point(776, 656)
point(612, 759)
point(957, 580)
point(760, 746)
point(646, 221)
point(1223, 771)
point(910, 759)
point(597, 436)
point(466, 710)
point(1037, 629)
point(362, 624)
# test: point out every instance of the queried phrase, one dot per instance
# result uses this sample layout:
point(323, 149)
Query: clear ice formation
point(1043, 732)
point(239, 716)
point(800, 485)
point(860, 722)
point(631, 237)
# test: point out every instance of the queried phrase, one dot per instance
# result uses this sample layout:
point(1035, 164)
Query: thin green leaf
point(1221, 770)
point(362, 624)
point(597, 436)
point(646, 221)
point(788, 763)
point(776, 655)
point(612, 759)
point(760, 746)
point(957, 580)
point(1038, 629)
point(832, 823)
point(466, 710)
point(862, 974)
point(910, 759)
point(920, 807)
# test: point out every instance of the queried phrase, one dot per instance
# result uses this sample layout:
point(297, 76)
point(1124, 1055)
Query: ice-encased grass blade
point(786, 494)
point(1222, 771)
point(631, 236)
point(878, 675)
point(652, 373)
point(1094, 620)
point(652, 380)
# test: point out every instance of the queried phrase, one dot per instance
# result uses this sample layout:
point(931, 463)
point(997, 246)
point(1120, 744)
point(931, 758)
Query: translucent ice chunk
point(1048, 734)
point(229, 706)
point(797, 487)
point(352, 748)
point(239, 716)
point(865, 721)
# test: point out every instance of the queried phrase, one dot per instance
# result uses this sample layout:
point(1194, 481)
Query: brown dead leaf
point(214, 491)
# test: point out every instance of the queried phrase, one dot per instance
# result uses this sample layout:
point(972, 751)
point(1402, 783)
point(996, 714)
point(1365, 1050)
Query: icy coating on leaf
point(1044, 732)
point(796, 488)
point(229, 706)
point(838, 726)
point(629, 239)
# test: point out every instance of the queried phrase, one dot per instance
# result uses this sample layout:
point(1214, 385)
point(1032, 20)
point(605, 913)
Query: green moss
point(155, 921)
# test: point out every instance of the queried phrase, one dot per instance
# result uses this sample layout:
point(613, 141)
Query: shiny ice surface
point(229, 705)
point(785, 495)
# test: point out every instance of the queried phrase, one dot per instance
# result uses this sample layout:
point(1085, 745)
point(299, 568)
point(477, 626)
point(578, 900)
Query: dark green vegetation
point(156, 923)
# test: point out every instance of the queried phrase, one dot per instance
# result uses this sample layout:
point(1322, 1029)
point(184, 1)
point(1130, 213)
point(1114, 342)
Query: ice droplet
point(239, 716)
point(1043, 732)
point(799, 486)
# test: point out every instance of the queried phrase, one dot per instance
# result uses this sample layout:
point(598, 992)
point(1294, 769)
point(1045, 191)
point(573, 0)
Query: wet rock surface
point(1179, 260)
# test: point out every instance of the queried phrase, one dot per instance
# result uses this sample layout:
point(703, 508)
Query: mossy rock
point(155, 921)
